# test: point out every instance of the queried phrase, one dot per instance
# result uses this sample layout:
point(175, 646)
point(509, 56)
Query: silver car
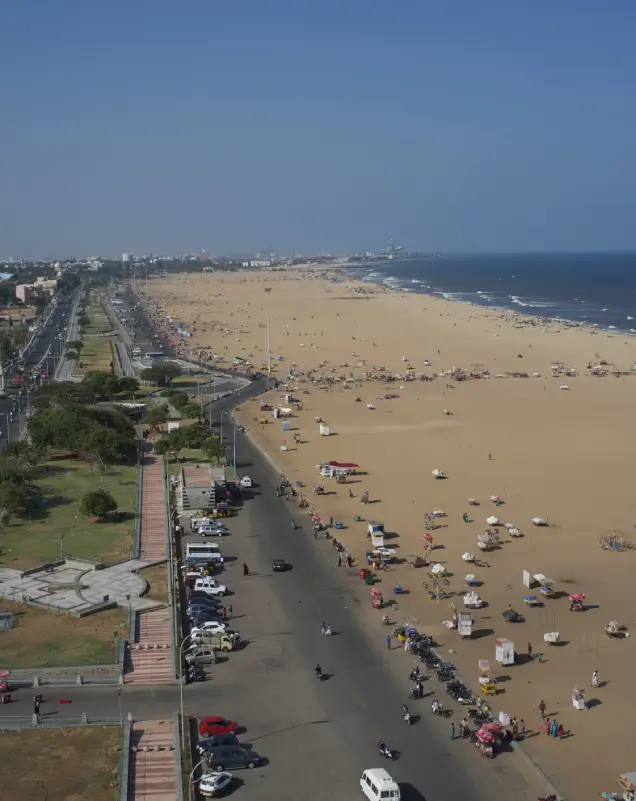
point(201, 656)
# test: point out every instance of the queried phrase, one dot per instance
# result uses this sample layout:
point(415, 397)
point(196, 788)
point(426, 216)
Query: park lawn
point(74, 764)
point(157, 578)
point(35, 539)
point(43, 639)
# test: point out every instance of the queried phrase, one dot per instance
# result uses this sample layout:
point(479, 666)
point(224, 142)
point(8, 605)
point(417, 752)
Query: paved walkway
point(148, 657)
point(153, 772)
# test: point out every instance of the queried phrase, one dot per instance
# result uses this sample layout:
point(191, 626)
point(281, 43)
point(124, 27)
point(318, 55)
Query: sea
point(596, 289)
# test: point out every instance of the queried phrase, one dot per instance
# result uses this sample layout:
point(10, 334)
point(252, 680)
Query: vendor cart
point(504, 651)
point(377, 599)
point(465, 626)
point(578, 698)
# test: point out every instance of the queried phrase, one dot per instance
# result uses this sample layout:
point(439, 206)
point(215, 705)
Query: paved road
point(44, 344)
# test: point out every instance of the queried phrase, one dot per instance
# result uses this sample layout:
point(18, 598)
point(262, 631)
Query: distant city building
point(7, 276)
point(257, 263)
point(126, 257)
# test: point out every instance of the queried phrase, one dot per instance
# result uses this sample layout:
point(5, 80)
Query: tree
point(98, 503)
point(161, 373)
point(173, 443)
point(128, 385)
point(76, 345)
point(23, 452)
point(101, 384)
point(157, 415)
point(16, 488)
point(61, 393)
point(214, 449)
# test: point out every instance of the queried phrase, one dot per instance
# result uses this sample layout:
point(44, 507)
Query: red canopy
point(344, 465)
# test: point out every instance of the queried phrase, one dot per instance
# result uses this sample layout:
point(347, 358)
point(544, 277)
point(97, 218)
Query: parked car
point(215, 741)
point(217, 725)
point(279, 565)
point(214, 785)
point(201, 610)
point(200, 656)
point(232, 756)
point(198, 596)
point(213, 531)
point(209, 626)
point(210, 586)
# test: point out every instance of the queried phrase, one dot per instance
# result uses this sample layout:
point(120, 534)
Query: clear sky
point(450, 125)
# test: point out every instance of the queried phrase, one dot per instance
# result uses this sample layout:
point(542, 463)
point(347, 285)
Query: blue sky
point(294, 125)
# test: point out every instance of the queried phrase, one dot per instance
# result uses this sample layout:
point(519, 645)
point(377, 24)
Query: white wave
point(416, 281)
point(629, 318)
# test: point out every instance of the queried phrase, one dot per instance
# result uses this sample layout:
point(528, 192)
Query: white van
point(377, 784)
point(203, 552)
point(246, 482)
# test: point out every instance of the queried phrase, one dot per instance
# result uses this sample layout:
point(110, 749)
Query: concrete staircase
point(153, 511)
point(148, 658)
point(153, 765)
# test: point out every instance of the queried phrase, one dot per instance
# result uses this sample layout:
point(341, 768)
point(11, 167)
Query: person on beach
point(554, 727)
point(452, 731)
point(465, 517)
point(522, 729)
point(515, 728)
point(595, 678)
point(388, 641)
point(546, 726)
point(246, 570)
point(542, 708)
point(529, 650)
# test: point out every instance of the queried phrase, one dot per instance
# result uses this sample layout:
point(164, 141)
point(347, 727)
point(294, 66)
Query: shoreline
point(558, 455)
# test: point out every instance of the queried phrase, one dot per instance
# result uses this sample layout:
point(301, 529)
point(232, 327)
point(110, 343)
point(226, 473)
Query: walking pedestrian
point(339, 559)
point(452, 731)
point(522, 729)
point(515, 728)
point(388, 641)
point(554, 727)
point(323, 628)
point(595, 679)
point(542, 708)
point(529, 650)
point(224, 613)
point(331, 521)
point(246, 570)
point(489, 457)
point(463, 725)
point(228, 610)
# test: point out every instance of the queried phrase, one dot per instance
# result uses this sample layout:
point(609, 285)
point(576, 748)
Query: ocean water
point(587, 289)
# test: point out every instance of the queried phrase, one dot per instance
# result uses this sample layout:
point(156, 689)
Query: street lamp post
point(121, 714)
point(191, 781)
point(185, 640)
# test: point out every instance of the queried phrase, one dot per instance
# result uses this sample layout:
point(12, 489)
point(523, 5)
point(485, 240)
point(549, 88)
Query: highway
point(45, 346)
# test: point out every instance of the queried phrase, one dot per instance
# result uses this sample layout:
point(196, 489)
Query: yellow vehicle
point(488, 689)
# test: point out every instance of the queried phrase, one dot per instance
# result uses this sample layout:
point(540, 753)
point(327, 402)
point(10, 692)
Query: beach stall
point(375, 533)
point(465, 625)
point(438, 473)
point(324, 430)
point(504, 652)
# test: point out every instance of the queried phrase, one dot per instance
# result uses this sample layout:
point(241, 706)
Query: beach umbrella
point(577, 596)
point(510, 614)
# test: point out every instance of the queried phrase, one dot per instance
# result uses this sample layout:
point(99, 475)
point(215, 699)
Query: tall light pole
point(191, 781)
point(269, 348)
point(185, 640)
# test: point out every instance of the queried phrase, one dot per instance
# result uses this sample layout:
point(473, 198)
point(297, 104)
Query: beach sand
point(561, 455)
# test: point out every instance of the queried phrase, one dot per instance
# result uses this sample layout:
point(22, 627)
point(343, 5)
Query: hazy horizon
point(465, 129)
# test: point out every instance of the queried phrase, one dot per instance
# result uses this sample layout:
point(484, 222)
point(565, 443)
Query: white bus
point(203, 552)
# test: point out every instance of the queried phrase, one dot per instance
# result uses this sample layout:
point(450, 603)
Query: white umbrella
point(492, 521)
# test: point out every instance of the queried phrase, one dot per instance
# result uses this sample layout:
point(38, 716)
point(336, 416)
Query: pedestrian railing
point(42, 721)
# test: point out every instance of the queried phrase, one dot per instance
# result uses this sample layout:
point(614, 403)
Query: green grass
point(35, 539)
point(44, 639)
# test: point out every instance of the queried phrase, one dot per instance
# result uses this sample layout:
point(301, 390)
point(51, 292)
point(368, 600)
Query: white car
point(214, 626)
point(209, 586)
point(213, 785)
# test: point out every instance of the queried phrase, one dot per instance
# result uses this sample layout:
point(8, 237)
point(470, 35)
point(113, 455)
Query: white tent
point(492, 521)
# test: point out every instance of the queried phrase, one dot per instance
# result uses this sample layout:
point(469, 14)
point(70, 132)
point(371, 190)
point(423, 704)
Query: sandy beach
point(564, 455)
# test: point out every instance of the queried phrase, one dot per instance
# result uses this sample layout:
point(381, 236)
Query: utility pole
point(269, 348)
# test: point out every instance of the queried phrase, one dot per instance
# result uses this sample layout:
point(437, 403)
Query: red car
point(209, 726)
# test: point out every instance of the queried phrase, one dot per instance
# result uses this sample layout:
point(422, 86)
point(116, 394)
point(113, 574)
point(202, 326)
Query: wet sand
point(563, 455)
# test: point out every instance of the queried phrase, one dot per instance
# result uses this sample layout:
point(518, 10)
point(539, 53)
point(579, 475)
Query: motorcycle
point(415, 675)
point(437, 709)
point(416, 692)
point(406, 717)
point(385, 751)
